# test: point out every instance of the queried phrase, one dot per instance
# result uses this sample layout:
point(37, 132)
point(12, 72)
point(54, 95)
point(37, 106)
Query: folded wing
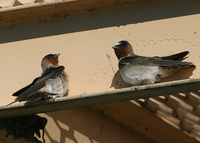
point(38, 83)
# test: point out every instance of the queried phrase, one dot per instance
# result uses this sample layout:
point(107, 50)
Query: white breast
point(57, 86)
point(138, 75)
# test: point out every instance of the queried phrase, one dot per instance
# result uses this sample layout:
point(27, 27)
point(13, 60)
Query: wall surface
point(87, 125)
point(84, 42)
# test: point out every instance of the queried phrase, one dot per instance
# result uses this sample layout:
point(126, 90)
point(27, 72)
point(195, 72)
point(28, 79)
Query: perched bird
point(52, 83)
point(140, 70)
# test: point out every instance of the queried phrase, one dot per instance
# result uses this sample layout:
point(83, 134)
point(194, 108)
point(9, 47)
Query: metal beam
point(106, 97)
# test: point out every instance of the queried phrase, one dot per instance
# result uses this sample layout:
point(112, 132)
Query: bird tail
point(11, 103)
point(176, 57)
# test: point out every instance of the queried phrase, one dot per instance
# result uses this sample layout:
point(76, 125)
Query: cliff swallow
point(52, 83)
point(140, 70)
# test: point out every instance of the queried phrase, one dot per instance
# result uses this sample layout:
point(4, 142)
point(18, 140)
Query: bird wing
point(17, 93)
point(148, 61)
point(50, 73)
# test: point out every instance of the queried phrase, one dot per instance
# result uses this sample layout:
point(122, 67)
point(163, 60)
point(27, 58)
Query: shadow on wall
point(77, 121)
point(118, 82)
point(184, 74)
point(86, 125)
point(116, 17)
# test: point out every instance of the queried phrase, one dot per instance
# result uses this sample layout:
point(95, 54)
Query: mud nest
point(24, 127)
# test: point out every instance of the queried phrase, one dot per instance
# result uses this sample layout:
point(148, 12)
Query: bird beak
point(116, 46)
point(58, 55)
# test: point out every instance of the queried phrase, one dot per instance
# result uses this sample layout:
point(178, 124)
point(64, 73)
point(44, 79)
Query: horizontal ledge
point(58, 9)
point(84, 100)
point(51, 10)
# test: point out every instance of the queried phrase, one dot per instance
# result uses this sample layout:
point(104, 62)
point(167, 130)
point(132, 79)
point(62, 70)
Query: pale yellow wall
point(84, 43)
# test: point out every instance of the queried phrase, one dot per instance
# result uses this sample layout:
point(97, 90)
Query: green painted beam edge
point(84, 100)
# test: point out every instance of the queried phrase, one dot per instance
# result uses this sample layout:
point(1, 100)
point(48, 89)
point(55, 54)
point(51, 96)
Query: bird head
point(123, 49)
point(49, 61)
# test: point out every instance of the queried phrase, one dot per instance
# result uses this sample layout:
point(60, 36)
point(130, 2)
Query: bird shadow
point(184, 74)
point(118, 82)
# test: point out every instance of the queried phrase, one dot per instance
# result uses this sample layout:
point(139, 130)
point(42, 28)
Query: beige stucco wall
point(84, 42)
